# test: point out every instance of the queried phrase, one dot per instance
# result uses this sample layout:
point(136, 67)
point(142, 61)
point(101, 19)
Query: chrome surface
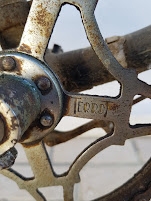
point(46, 120)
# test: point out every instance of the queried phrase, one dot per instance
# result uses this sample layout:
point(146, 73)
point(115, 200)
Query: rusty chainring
point(38, 29)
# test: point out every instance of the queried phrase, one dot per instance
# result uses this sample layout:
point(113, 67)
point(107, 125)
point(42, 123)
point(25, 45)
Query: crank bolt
point(46, 120)
point(43, 83)
point(8, 63)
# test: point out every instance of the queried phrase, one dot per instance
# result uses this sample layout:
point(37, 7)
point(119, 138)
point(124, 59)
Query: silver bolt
point(8, 63)
point(1, 129)
point(46, 120)
point(43, 83)
point(8, 158)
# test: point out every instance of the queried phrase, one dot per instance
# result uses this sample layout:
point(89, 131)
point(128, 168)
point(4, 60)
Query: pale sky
point(114, 17)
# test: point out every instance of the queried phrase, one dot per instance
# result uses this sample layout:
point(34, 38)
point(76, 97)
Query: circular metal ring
point(30, 68)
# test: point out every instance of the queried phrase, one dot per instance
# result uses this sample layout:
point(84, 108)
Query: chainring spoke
point(57, 137)
point(91, 107)
point(95, 38)
point(44, 175)
point(39, 26)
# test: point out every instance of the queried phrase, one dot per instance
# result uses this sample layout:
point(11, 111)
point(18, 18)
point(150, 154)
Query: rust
point(36, 156)
point(113, 106)
point(36, 77)
point(44, 19)
point(6, 130)
point(1, 129)
point(25, 48)
point(44, 84)
point(8, 63)
point(28, 132)
point(14, 124)
point(66, 101)
point(36, 125)
point(39, 48)
point(18, 67)
point(21, 98)
point(32, 144)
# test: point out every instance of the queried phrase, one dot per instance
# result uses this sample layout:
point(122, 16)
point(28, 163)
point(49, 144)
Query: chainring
point(38, 29)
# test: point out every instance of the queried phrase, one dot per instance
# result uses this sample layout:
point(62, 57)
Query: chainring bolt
point(8, 158)
point(46, 120)
point(43, 83)
point(8, 63)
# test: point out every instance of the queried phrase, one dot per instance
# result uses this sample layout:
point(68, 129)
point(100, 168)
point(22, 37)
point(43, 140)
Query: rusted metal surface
point(39, 26)
point(76, 68)
point(8, 63)
point(49, 92)
point(16, 109)
point(57, 137)
point(2, 127)
point(13, 15)
point(44, 85)
point(57, 103)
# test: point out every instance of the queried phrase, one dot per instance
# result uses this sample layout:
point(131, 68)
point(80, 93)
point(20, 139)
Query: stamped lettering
point(90, 107)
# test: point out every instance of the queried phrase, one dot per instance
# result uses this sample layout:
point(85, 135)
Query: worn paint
point(113, 106)
point(25, 48)
point(39, 26)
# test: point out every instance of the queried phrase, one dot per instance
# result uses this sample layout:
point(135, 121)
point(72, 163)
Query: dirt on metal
point(25, 48)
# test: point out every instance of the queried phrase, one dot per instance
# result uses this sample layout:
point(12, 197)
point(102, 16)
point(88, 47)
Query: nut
point(43, 83)
point(8, 158)
point(46, 120)
point(8, 63)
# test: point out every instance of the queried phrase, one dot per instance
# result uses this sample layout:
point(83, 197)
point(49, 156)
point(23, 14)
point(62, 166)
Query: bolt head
point(8, 158)
point(43, 83)
point(46, 120)
point(8, 63)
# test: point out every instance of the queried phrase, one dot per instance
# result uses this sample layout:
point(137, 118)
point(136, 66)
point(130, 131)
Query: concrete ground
point(105, 172)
